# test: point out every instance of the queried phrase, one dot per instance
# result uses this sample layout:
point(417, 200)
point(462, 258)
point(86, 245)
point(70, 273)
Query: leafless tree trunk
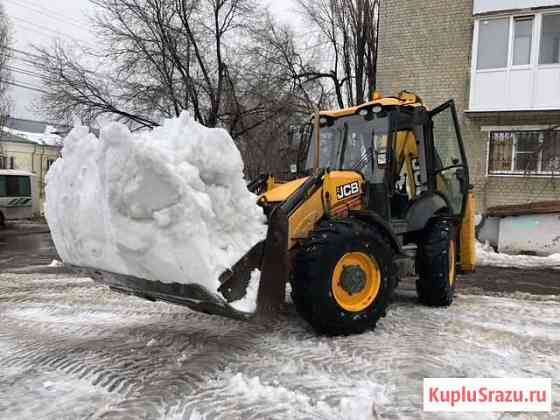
point(5, 75)
point(349, 28)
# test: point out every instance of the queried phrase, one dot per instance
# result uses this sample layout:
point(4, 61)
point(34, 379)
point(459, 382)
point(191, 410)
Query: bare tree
point(269, 79)
point(160, 57)
point(275, 48)
point(5, 75)
point(210, 57)
point(347, 34)
point(226, 61)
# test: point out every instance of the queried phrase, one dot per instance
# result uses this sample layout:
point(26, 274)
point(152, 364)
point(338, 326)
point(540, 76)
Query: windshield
point(352, 143)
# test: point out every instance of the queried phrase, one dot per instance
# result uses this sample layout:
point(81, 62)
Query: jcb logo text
point(347, 190)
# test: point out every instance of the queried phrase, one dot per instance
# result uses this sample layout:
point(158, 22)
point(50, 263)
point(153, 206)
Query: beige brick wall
point(425, 47)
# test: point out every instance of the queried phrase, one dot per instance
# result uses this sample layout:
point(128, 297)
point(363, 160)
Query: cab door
point(449, 173)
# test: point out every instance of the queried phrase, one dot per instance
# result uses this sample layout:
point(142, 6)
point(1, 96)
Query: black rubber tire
point(314, 265)
point(433, 264)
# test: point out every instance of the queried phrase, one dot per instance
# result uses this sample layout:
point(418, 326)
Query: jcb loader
point(384, 187)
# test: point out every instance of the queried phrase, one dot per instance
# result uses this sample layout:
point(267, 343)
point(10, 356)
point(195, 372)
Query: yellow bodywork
point(340, 192)
point(468, 237)
point(277, 192)
point(327, 199)
point(404, 99)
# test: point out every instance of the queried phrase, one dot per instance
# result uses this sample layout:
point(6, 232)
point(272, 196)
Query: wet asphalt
point(72, 349)
point(28, 248)
point(25, 246)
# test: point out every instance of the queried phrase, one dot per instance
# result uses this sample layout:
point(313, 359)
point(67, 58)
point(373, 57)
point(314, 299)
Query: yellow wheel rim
point(356, 281)
point(452, 262)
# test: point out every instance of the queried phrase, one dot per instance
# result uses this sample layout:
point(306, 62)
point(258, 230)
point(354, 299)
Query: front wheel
point(344, 276)
point(436, 264)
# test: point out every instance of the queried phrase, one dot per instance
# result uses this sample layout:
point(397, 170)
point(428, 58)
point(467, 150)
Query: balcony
point(516, 62)
point(489, 6)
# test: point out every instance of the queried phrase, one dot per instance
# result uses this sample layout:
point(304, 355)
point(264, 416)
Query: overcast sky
point(40, 22)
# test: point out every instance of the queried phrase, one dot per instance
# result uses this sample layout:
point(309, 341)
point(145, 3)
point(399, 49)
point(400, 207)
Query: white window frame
point(538, 57)
point(513, 173)
point(535, 45)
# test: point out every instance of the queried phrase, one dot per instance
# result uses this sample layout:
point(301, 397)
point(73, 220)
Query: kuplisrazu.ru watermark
point(488, 394)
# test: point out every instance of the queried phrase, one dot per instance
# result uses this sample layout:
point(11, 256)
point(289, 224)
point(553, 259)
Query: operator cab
point(403, 151)
point(353, 143)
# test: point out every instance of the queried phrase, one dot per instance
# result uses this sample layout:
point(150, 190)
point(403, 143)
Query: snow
point(359, 407)
point(169, 204)
point(47, 138)
point(249, 302)
point(56, 263)
point(487, 256)
point(60, 362)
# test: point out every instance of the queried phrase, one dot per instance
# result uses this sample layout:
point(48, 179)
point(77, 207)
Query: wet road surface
point(71, 349)
point(30, 249)
point(24, 245)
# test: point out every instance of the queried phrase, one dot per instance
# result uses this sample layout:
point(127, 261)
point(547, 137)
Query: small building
point(500, 61)
point(31, 146)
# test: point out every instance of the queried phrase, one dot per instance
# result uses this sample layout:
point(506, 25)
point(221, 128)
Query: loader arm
point(299, 206)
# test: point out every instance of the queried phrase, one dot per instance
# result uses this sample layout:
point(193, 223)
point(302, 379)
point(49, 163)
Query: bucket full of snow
point(161, 213)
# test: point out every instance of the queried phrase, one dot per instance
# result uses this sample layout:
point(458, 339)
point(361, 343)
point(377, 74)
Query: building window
point(493, 43)
point(550, 40)
point(49, 163)
point(524, 153)
point(522, 40)
point(2, 162)
point(12, 162)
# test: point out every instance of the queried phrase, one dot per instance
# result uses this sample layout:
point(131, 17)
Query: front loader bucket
point(275, 265)
point(193, 296)
point(269, 256)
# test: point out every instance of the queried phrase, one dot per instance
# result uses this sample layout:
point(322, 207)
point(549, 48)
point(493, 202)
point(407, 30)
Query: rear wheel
point(436, 264)
point(344, 275)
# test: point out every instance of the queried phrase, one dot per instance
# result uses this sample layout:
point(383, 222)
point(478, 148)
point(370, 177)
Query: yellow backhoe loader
point(384, 187)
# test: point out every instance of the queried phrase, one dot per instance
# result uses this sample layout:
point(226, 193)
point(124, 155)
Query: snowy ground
point(486, 256)
point(72, 349)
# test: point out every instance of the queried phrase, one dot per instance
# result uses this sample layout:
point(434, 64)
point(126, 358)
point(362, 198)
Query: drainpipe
point(33, 158)
point(374, 87)
point(41, 178)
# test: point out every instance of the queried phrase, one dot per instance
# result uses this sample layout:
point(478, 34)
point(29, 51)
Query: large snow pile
point(486, 255)
point(170, 204)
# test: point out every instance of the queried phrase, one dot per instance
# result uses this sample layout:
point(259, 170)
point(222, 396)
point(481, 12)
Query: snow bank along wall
point(537, 234)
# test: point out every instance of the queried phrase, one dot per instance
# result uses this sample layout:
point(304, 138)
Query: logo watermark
point(488, 394)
